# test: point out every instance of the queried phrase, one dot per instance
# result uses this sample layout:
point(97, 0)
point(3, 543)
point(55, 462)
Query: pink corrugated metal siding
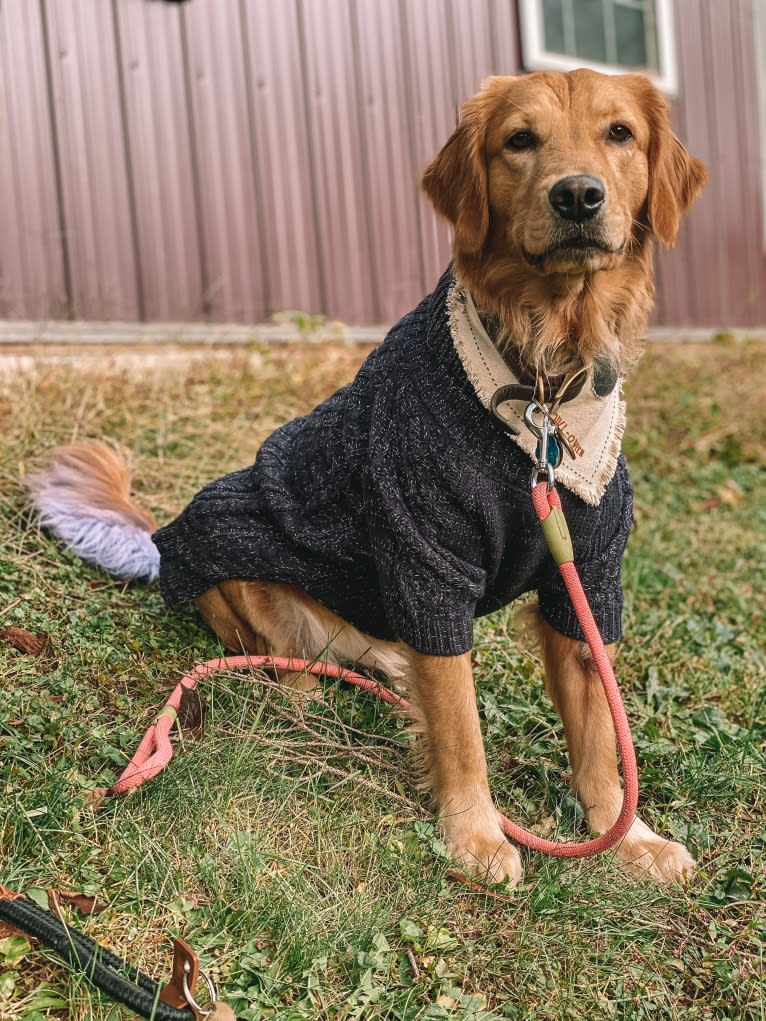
point(159, 148)
point(219, 103)
point(94, 178)
point(32, 265)
point(680, 292)
point(717, 274)
point(748, 145)
point(230, 158)
point(337, 159)
point(287, 225)
point(391, 190)
point(753, 295)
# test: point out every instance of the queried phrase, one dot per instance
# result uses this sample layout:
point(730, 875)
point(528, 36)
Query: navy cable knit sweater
point(401, 506)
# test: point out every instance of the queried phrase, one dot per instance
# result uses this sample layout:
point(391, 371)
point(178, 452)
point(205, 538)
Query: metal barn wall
point(717, 273)
point(225, 159)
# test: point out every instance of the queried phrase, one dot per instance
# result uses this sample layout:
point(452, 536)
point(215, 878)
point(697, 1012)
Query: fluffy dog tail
point(83, 497)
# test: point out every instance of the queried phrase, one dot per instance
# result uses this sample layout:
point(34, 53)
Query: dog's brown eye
point(520, 140)
point(619, 133)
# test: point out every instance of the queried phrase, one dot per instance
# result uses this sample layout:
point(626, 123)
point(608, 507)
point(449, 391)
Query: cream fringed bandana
point(592, 424)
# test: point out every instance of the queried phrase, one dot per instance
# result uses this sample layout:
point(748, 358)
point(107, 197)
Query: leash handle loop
point(156, 749)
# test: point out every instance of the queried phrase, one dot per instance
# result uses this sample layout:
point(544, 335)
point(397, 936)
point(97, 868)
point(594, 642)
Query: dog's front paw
point(484, 851)
point(644, 853)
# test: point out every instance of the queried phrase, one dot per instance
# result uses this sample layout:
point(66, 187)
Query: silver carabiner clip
point(529, 421)
point(548, 453)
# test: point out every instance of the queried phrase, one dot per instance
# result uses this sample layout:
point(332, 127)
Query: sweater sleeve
point(417, 521)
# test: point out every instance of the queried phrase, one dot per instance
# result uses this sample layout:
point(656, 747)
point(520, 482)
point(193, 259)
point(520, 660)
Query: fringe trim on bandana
point(593, 425)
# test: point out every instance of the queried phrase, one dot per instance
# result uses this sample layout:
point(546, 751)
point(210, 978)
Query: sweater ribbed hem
point(563, 619)
point(437, 637)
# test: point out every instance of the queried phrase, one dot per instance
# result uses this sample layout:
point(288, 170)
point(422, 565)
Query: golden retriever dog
point(375, 529)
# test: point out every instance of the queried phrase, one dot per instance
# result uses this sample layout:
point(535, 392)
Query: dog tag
point(553, 454)
point(566, 444)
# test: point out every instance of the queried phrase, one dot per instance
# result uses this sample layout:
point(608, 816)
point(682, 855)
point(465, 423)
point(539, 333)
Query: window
point(607, 35)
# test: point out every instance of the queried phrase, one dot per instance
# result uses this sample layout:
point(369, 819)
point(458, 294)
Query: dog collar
point(591, 415)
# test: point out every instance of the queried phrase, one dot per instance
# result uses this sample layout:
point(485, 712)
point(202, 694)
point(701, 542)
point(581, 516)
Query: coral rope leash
point(156, 750)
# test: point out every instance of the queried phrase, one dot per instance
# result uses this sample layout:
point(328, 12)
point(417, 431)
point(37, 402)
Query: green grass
point(289, 844)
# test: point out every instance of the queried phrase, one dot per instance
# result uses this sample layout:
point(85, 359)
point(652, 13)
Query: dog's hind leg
point(264, 618)
point(235, 630)
point(578, 695)
point(256, 618)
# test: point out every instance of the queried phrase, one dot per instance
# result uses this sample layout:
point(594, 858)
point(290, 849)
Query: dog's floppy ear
point(675, 177)
point(456, 180)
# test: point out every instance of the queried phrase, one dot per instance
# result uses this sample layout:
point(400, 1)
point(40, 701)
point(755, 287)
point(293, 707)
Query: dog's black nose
point(578, 197)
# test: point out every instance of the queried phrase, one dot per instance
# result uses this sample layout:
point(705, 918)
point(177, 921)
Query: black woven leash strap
point(113, 976)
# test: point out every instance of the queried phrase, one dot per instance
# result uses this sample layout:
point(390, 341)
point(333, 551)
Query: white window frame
point(536, 57)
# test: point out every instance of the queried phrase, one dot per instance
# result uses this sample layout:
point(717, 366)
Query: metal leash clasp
point(548, 452)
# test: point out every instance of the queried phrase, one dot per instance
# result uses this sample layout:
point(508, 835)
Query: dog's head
point(564, 171)
point(556, 184)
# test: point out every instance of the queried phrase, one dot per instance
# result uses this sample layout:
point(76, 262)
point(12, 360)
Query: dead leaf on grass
point(706, 505)
point(447, 1002)
point(95, 797)
point(34, 644)
point(6, 929)
point(191, 714)
point(80, 901)
point(730, 493)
